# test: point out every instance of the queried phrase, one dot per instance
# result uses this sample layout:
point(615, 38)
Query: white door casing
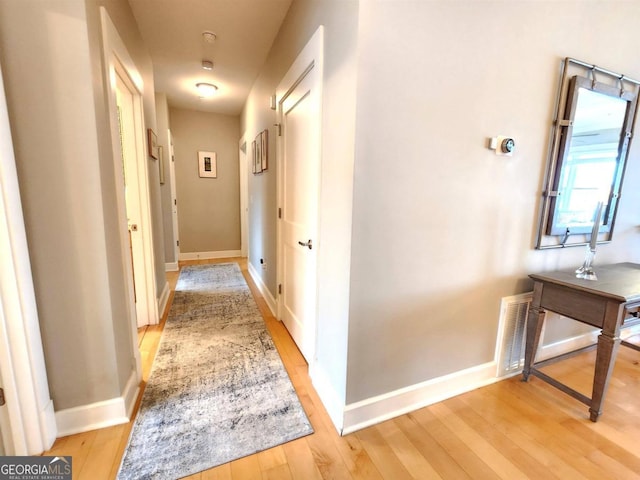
point(27, 420)
point(244, 196)
point(120, 65)
point(299, 99)
point(174, 197)
point(126, 120)
point(117, 61)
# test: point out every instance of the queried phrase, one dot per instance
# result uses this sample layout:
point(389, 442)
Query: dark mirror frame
point(551, 233)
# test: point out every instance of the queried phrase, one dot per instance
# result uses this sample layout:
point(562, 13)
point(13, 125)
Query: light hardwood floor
point(508, 430)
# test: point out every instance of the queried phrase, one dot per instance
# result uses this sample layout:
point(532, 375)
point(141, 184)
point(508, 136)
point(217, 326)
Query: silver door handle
point(306, 244)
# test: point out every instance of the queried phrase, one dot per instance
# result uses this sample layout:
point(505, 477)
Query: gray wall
point(208, 208)
point(444, 228)
point(65, 167)
point(340, 21)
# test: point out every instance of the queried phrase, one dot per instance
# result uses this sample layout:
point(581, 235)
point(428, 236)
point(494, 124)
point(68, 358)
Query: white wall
point(443, 228)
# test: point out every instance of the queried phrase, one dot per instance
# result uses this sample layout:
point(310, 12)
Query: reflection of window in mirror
point(588, 157)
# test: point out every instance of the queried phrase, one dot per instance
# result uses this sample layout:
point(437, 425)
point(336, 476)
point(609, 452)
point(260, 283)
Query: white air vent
point(512, 330)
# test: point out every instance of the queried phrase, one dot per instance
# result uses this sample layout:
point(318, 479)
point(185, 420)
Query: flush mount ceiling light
point(206, 89)
point(207, 64)
point(209, 37)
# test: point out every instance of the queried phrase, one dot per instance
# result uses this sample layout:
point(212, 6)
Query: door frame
point(174, 199)
point(28, 418)
point(243, 167)
point(308, 62)
point(116, 56)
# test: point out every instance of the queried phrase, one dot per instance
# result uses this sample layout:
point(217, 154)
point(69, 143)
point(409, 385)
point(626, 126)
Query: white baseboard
point(131, 391)
point(271, 301)
point(48, 424)
point(568, 345)
point(100, 414)
point(328, 396)
point(575, 343)
point(630, 331)
point(171, 267)
point(389, 405)
point(164, 298)
point(210, 255)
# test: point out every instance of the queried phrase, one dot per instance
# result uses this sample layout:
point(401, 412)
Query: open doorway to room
point(128, 134)
point(135, 196)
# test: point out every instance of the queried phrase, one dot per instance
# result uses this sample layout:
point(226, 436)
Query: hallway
point(506, 430)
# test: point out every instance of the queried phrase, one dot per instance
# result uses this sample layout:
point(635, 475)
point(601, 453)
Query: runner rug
point(218, 390)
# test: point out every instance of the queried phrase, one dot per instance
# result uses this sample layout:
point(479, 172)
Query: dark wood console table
point(604, 303)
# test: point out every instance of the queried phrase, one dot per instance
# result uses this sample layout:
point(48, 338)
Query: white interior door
point(300, 120)
point(125, 103)
point(133, 163)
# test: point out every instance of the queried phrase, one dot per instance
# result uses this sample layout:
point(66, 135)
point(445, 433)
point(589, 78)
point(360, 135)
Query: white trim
point(27, 422)
point(130, 394)
point(389, 405)
point(174, 197)
point(580, 341)
point(164, 298)
point(171, 267)
point(112, 44)
point(117, 61)
point(567, 345)
point(268, 297)
point(210, 255)
point(328, 396)
point(383, 407)
point(100, 414)
point(244, 195)
point(310, 61)
point(630, 331)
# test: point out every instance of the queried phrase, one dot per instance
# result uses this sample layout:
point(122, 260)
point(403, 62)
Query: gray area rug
point(218, 390)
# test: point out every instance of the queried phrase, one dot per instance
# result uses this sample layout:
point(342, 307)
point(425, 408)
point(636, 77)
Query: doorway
point(174, 199)
point(131, 170)
point(125, 103)
point(299, 98)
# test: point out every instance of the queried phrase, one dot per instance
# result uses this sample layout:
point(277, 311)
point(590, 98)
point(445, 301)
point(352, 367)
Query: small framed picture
point(255, 148)
point(260, 152)
point(152, 142)
point(207, 164)
point(160, 165)
point(264, 160)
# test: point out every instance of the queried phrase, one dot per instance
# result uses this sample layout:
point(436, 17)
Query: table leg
point(535, 321)
point(608, 343)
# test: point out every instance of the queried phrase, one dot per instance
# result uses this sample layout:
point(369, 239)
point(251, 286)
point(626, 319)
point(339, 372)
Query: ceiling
point(172, 31)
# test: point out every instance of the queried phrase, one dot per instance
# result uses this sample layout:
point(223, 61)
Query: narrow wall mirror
point(590, 143)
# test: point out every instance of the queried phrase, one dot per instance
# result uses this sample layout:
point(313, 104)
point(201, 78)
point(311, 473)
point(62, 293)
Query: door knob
point(306, 244)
